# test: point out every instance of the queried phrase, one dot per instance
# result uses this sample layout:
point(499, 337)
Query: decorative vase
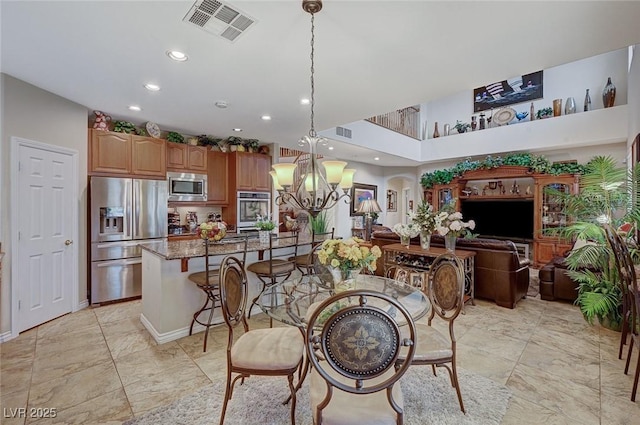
point(587, 101)
point(425, 240)
point(264, 236)
point(482, 122)
point(344, 279)
point(474, 123)
point(436, 133)
point(570, 106)
point(557, 107)
point(405, 240)
point(450, 241)
point(447, 129)
point(609, 94)
point(531, 112)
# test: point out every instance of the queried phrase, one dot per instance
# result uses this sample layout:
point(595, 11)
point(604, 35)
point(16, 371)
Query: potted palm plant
point(608, 195)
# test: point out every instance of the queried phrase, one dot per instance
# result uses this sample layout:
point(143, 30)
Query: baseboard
point(162, 338)
point(6, 336)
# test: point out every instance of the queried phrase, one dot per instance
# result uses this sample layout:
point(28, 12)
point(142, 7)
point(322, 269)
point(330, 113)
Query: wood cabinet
point(218, 175)
point(112, 153)
point(109, 152)
point(148, 156)
point(186, 158)
point(550, 214)
point(251, 171)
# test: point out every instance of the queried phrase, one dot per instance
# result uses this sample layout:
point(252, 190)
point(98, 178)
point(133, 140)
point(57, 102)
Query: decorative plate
point(504, 116)
point(153, 129)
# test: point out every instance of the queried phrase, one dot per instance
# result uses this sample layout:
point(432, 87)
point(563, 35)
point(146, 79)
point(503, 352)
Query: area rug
point(428, 400)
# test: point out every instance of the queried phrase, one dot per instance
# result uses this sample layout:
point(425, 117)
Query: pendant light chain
point(312, 131)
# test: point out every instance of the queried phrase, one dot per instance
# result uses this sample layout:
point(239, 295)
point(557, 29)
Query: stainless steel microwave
point(187, 187)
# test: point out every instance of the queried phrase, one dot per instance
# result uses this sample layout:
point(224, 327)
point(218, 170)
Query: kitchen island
point(169, 298)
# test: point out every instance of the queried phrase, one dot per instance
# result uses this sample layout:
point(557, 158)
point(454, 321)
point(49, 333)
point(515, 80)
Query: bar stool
point(209, 279)
point(304, 262)
point(283, 249)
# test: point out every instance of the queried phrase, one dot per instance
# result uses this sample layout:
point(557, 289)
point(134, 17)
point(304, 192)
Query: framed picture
point(392, 201)
point(361, 192)
point(417, 280)
point(401, 275)
point(524, 88)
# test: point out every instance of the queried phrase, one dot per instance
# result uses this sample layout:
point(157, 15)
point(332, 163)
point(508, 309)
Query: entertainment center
point(511, 202)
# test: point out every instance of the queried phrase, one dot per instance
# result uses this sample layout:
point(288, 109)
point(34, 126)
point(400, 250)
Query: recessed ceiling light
point(135, 108)
point(376, 158)
point(330, 148)
point(305, 101)
point(266, 117)
point(237, 129)
point(177, 56)
point(222, 104)
point(152, 87)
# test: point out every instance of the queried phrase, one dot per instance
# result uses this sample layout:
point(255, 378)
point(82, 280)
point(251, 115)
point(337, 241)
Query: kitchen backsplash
point(200, 212)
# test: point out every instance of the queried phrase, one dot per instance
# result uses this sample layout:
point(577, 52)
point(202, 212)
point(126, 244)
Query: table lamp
point(367, 207)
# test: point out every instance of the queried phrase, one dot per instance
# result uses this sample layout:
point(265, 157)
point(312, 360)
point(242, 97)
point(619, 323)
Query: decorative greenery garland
point(535, 163)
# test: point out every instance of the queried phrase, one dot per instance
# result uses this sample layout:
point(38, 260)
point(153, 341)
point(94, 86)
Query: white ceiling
point(372, 57)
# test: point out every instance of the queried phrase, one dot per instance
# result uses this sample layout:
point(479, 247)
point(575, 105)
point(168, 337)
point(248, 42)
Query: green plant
point(544, 112)
point(234, 141)
point(251, 144)
point(462, 127)
point(264, 223)
point(175, 137)
point(124, 127)
point(319, 223)
point(608, 194)
point(204, 140)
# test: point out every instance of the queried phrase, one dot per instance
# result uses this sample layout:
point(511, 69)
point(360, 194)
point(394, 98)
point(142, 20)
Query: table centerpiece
point(347, 257)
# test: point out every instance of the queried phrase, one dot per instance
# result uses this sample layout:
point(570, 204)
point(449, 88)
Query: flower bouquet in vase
point(265, 226)
point(346, 258)
point(427, 220)
point(406, 232)
point(452, 227)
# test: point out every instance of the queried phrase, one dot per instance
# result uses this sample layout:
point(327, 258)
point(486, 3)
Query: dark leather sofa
point(555, 283)
point(500, 274)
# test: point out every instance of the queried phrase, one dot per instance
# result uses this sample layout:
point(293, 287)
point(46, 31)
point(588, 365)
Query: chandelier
point(312, 190)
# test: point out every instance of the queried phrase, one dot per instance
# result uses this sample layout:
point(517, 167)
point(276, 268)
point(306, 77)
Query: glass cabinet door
point(553, 208)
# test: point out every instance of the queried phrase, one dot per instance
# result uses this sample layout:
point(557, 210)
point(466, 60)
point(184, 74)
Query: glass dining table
point(293, 300)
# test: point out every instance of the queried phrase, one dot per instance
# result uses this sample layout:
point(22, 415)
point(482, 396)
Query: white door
point(43, 273)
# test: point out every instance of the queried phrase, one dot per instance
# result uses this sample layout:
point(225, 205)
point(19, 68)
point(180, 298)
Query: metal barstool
point(209, 279)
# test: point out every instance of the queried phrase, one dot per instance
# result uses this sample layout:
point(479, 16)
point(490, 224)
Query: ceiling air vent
point(344, 132)
point(219, 18)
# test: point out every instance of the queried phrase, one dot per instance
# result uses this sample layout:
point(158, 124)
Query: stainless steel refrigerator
point(124, 212)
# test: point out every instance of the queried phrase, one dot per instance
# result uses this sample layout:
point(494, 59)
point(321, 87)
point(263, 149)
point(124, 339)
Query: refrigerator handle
point(127, 209)
point(135, 216)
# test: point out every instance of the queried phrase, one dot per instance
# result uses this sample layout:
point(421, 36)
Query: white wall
point(634, 97)
point(35, 114)
point(560, 82)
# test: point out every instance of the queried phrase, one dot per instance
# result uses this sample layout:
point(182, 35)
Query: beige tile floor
point(100, 366)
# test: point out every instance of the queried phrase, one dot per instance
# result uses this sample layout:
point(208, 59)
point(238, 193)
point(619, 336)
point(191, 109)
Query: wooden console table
point(417, 260)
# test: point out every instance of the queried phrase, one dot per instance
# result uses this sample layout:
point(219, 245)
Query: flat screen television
point(512, 218)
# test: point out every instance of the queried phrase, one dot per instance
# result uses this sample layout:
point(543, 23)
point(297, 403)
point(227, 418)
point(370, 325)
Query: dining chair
point(304, 262)
point(283, 248)
point(353, 341)
point(446, 292)
point(209, 280)
point(267, 352)
point(627, 279)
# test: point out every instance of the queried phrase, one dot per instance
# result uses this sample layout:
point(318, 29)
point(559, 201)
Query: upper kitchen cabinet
point(218, 178)
point(109, 152)
point(186, 158)
point(251, 171)
point(149, 156)
point(112, 153)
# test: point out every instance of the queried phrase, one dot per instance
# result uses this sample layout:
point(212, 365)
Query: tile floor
point(100, 366)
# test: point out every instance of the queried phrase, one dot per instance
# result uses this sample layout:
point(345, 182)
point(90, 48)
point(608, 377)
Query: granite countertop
point(174, 250)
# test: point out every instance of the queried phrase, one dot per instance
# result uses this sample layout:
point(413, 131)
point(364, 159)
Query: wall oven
point(250, 205)
point(187, 187)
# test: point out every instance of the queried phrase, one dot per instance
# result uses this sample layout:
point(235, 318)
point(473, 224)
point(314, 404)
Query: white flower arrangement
point(409, 230)
point(425, 217)
point(451, 222)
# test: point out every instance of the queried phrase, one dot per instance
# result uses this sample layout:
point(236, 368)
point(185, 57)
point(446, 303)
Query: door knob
point(68, 242)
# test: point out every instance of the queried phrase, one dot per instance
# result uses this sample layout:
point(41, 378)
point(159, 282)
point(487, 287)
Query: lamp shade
point(347, 178)
point(369, 206)
point(276, 183)
point(308, 183)
point(333, 170)
point(284, 171)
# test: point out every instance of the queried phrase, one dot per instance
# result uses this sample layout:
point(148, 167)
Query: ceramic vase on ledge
point(425, 240)
point(450, 241)
point(609, 94)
